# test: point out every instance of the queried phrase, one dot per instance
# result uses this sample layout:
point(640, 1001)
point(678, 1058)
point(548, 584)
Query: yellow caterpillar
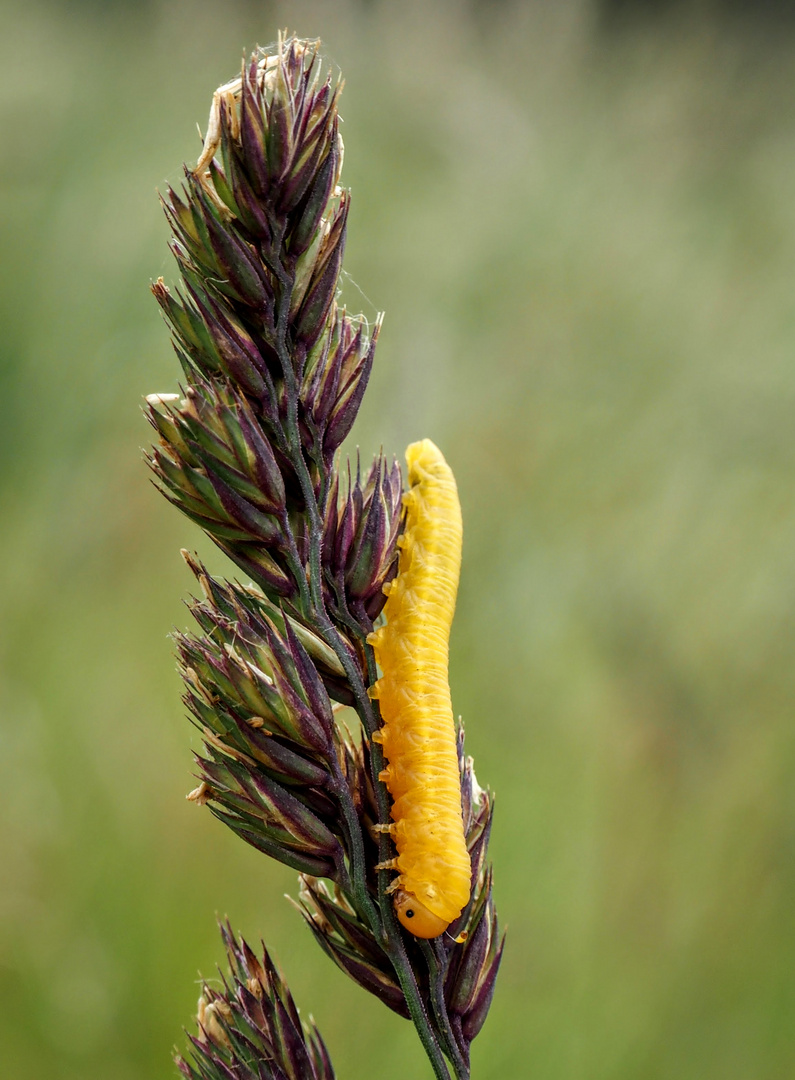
point(418, 736)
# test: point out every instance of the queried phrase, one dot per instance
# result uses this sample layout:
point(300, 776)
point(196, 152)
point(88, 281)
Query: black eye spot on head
point(409, 914)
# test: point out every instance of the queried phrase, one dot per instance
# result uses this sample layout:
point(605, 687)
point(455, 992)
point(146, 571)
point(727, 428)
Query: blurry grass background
point(581, 224)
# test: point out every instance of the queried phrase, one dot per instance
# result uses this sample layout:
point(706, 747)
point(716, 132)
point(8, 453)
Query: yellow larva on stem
point(418, 736)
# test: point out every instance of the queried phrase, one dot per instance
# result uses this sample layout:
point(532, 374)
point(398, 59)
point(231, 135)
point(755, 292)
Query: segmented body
point(418, 736)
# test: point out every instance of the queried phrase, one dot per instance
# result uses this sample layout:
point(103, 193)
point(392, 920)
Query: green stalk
point(440, 1010)
point(294, 562)
point(358, 860)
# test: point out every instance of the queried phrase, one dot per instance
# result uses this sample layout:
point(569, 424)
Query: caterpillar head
point(416, 918)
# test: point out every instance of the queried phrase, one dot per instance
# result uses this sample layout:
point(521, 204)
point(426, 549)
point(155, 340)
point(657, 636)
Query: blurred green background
point(581, 224)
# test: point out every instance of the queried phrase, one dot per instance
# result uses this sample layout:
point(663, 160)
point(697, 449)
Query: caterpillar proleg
point(418, 736)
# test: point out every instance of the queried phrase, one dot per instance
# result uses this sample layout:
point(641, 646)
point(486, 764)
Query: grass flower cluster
point(274, 371)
